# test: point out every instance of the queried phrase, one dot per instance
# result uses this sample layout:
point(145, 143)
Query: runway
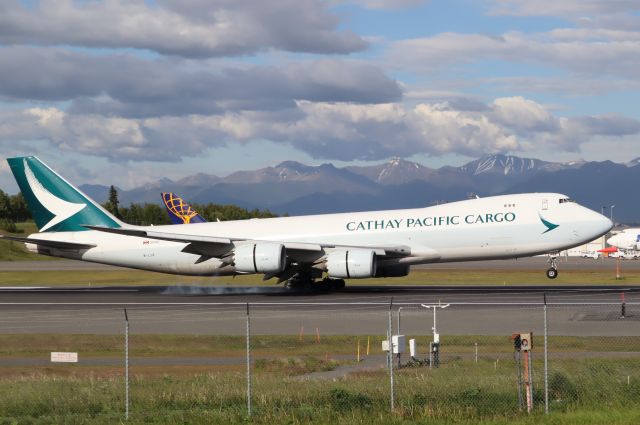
point(579, 311)
point(355, 310)
point(398, 294)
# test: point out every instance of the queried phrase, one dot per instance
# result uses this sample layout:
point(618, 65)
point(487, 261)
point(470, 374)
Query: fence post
point(546, 360)
point(126, 365)
point(248, 362)
point(390, 356)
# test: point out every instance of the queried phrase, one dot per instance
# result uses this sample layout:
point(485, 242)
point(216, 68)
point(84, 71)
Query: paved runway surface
point(354, 311)
point(357, 310)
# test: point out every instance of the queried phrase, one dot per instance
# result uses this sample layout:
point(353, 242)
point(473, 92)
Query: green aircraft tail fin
point(55, 204)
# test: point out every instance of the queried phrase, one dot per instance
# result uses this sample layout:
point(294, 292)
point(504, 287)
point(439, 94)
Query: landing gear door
point(545, 204)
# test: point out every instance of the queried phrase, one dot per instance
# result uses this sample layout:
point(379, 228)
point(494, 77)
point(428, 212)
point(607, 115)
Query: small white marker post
point(64, 357)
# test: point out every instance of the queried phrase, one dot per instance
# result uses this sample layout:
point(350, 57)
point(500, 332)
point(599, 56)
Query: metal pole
point(399, 356)
point(611, 213)
point(519, 378)
point(434, 322)
point(476, 344)
point(527, 383)
point(546, 360)
point(248, 362)
point(391, 357)
point(126, 365)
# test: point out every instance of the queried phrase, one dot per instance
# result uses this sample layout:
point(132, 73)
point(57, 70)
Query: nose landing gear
point(552, 271)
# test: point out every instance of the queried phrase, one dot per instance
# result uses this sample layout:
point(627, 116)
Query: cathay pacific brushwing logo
point(60, 208)
point(549, 225)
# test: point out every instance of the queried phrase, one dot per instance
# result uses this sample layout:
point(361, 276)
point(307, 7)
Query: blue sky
point(125, 92)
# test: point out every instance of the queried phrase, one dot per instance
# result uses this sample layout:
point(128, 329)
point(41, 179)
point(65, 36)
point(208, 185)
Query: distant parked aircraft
point(627, 239)
point(299, 250)
point(179, 211)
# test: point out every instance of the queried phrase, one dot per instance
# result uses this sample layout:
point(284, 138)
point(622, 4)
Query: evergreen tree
point(19, 208)
point(113, 203)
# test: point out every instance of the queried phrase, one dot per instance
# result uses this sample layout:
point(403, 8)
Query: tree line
point(13, 209)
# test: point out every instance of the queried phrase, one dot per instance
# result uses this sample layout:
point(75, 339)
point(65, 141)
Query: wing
point(216, 246)
point(49, 243)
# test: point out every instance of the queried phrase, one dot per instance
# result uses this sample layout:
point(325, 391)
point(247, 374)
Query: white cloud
point(130, 86)
point(619, 56)
point(574, 86)
point(175, 27)
point(561, 8)
point(338, 131)
point(389, 4)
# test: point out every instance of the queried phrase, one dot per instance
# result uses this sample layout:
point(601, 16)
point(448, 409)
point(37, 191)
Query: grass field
point(592, 390)
point(16, 251)
point(149, 345)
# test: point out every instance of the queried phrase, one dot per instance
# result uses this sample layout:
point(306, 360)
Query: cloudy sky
point(124, 92)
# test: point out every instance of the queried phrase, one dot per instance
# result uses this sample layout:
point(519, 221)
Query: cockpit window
point(564, 200)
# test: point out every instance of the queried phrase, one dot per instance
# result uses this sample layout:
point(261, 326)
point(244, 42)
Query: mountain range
point(297, 189)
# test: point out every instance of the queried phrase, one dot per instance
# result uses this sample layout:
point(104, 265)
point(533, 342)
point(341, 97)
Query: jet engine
point(260, 257)
point(351, 263)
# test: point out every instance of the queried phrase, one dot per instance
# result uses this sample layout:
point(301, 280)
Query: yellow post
point(368, 344)
point(317, 336)
point(358, 350)
point(301, 332)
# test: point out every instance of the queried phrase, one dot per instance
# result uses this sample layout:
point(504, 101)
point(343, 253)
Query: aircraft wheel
point(299, 284)
point(552, 273)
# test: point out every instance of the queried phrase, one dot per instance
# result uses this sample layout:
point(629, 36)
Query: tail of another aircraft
point(55, 204)
point(179, 211)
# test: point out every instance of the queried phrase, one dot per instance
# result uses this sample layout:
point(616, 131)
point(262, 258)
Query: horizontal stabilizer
point(49, 243)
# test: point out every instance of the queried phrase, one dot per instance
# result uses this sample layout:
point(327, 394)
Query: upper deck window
point(563, 200)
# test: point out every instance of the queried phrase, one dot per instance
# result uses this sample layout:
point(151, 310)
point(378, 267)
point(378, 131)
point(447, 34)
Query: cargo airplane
point(300, 250)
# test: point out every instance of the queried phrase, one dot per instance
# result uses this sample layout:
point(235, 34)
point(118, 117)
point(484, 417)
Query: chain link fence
point(204, 363)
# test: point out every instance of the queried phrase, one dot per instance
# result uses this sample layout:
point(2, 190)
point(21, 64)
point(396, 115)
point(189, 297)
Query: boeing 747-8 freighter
point(300, 250)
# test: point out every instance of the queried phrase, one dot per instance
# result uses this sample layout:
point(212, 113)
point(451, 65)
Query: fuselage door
point(545, 204)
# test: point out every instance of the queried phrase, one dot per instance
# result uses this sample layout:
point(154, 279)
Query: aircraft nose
point(605, 223)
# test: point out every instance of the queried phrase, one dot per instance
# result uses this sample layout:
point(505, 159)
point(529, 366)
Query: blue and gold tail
point(179, 211)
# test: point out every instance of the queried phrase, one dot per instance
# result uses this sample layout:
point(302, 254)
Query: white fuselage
point(627, 239)
point(497, 227)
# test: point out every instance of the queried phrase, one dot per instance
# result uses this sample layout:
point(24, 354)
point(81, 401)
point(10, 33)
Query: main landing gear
point(302, 281)
point(552, 272)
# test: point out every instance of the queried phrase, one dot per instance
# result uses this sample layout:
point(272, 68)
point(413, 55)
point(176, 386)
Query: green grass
point(16, 251)
point(586, 387)
point(149, 345)
point(459, 392)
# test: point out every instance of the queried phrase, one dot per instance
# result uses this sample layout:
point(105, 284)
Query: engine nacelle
point(352, 263)
point(260, 257)
point(393, 270)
